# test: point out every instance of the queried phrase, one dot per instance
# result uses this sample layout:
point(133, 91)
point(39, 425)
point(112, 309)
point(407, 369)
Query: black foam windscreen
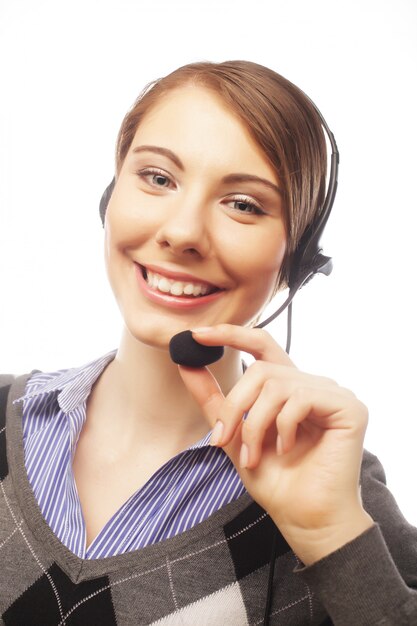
point(185, 350)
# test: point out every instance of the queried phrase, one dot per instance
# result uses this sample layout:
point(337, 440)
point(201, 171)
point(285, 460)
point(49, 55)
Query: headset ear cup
point(306, 269)
point(323, 264)
point(105, 198)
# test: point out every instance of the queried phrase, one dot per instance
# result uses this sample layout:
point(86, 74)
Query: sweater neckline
point(79, 569)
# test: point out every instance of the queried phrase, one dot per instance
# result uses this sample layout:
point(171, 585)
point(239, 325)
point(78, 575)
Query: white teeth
point(175, 287)
point(188, 289)
point(164, 285)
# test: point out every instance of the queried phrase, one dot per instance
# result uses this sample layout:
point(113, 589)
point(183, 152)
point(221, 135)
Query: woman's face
point(194, 230)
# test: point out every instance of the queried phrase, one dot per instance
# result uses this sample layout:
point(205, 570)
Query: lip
point(175, 302)
point(181, 276)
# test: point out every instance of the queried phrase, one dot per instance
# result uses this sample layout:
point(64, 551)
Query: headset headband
point(308, 259)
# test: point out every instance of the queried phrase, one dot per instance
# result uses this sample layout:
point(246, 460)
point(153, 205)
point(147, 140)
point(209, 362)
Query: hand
point(298, 451)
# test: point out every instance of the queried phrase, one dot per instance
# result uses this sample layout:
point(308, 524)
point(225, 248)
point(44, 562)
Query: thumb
point(205, 390)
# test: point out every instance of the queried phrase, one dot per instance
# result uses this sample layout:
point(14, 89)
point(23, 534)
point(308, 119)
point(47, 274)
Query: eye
point(246, 206)
point(155, 177)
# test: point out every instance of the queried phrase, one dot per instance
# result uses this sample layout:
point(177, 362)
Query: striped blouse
point(183, 492)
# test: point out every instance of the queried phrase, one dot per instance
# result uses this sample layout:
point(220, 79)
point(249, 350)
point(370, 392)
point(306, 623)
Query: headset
point(308, 260)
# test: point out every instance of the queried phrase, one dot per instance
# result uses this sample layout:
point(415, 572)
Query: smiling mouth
point(177, 288)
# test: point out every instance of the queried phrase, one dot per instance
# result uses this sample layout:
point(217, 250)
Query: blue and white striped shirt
point(183, 492)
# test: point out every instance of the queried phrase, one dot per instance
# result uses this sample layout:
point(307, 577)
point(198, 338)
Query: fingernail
point(203, 329)
point(217, 433)
point(244, 456)
point(279, 445)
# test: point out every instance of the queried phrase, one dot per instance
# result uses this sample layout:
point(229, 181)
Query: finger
point(244, 394)
point(326, 409)
point(255, 341)
point(279, 380)
point(261, 416)
point(269, 402)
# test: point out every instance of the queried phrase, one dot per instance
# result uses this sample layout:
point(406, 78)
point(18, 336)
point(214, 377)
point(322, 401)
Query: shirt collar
point(74, 385)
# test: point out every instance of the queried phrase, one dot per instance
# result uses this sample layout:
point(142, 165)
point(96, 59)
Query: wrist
point(313, 544)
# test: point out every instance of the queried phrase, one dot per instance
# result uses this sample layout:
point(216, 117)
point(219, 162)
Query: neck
point(142, 387)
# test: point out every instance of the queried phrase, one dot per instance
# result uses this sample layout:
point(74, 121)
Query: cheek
point(126, 226)
point(121, 235)
point(256, 259)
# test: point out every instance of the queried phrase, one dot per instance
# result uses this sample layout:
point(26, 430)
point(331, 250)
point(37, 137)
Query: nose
point(184, 229)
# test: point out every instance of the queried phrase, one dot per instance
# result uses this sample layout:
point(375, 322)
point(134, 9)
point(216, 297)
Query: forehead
point(195, 123)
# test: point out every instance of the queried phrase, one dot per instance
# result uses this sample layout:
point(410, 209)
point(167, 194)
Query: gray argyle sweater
point(215, 573)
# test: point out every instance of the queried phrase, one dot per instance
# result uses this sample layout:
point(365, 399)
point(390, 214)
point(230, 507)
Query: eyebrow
point(164, 151)
point(230, 178)
point(250, 178)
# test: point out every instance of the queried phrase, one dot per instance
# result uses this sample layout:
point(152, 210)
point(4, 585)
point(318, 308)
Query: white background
point(69, 71)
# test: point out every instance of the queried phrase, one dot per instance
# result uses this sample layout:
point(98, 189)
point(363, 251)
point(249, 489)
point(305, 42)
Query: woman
point(116, 509)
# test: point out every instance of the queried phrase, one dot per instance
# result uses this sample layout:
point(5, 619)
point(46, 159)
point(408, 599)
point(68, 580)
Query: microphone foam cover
point(185, 350)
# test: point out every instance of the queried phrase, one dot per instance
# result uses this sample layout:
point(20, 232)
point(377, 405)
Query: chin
point(154, 333)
